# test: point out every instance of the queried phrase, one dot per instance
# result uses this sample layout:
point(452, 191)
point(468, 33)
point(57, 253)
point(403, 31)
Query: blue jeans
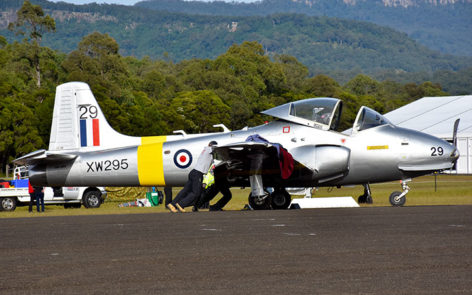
point(40, 198)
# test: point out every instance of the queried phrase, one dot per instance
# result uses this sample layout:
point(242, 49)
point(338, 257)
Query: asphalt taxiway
point(409, 250)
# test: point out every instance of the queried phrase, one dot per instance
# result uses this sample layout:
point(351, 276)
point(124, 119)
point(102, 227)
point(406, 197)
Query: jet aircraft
point(300, 148)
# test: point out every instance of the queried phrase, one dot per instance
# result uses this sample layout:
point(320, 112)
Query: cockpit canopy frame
point(368, 118)
point(321, 112)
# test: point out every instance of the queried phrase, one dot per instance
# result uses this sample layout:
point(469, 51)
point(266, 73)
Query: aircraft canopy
point(321, 112)
point(368, 118)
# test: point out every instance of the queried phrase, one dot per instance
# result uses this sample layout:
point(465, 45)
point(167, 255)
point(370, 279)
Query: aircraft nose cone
point(450, 154)
point(455, 154)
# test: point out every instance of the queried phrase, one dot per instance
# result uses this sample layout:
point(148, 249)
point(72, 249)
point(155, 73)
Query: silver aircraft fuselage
point(85, 151)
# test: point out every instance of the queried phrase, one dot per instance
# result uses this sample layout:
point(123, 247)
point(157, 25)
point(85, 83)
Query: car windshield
point(318, 110)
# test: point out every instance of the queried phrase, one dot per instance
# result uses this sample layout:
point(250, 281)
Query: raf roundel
point(182, 158)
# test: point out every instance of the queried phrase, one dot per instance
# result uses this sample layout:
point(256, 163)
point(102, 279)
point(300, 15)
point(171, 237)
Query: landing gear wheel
point(281, 199)
point(365, 199)
point(259, 204)
point(92, 199)
point(395, 200)
point(7, 204)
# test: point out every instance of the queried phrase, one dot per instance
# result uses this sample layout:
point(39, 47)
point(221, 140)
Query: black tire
point(280, 199)
point(363, 199)
point(262, 205)
point(397, 202)
point(8, 204)
point(92, 199)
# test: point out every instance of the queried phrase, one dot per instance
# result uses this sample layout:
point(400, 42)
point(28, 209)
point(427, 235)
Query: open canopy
point(368, 118)
point(322, 112)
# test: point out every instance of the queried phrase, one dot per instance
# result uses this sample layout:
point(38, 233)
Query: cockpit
point(368, 118)
point(325, 113)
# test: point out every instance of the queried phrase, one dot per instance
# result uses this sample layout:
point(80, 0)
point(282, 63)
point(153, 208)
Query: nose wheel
point(398, 199)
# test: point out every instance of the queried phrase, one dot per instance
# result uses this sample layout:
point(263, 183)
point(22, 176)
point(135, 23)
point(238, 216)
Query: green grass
point(450, 190)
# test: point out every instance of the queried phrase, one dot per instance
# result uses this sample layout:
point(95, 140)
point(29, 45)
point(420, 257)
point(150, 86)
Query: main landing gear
point(366, 198)
point(260, 198)
point(278, 199)
point(398, 199)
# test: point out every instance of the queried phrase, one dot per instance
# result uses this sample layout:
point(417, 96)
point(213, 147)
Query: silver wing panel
point(324, 160)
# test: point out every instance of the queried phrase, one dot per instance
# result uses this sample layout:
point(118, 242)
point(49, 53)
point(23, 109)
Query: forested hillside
point(148, 96)
point(441, 25)
point(324, 45)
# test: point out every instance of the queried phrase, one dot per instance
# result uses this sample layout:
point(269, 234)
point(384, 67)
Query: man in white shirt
point(193, 188)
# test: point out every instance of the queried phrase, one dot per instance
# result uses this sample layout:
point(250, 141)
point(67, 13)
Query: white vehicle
point(15, 193)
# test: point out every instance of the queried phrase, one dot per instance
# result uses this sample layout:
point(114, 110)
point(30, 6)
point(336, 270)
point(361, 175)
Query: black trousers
point(219, 186)
point(191, 191)
point(168, 194)
point(31, 202)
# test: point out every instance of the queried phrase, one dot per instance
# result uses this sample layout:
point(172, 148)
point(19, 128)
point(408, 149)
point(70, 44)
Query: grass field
point(449, 190)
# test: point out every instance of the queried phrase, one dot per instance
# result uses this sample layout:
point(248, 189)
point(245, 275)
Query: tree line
point(327, 45)
point(144, 96)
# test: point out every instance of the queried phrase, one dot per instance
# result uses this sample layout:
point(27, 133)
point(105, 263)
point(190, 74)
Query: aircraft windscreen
point(369, 118)
point(318, 110)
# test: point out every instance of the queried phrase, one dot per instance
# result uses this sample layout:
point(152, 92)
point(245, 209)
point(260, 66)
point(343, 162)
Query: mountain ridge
point(443, 25)
point(323, 44)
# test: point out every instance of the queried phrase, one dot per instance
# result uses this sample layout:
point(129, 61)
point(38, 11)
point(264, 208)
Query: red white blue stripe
point(89, 132)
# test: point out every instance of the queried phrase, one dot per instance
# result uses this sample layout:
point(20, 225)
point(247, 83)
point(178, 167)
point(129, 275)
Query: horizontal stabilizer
point(43, 156)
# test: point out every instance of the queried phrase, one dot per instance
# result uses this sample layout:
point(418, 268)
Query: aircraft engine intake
point(326, 161)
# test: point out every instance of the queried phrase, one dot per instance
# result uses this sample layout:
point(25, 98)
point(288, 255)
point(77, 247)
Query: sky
point(122, 2)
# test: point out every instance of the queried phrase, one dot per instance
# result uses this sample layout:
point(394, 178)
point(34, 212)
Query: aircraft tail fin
point(79, 124)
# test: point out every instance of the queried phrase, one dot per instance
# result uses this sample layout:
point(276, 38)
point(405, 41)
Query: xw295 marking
point(107, 165)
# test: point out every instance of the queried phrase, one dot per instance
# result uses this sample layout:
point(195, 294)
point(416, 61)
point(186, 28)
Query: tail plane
point(79, 124)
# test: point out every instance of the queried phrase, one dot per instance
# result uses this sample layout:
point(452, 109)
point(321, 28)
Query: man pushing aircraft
point(193, 188)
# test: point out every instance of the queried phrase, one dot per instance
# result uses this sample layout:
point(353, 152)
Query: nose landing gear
point(398, 199)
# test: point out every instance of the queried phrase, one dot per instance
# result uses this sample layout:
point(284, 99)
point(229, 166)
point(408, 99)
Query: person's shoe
point(194, 209)
point(182, 210)
point(215, 209)
point(172, 208)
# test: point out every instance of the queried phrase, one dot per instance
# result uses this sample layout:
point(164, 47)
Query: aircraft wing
point(311, 161)
point(43, 156)
point(249, 158)
point(240, 150)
